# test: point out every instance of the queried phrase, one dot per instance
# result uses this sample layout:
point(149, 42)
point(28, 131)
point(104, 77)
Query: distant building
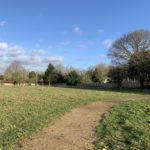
point(107, 80)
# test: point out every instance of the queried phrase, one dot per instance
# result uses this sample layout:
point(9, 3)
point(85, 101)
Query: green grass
point(125, 127)
point(24, 110)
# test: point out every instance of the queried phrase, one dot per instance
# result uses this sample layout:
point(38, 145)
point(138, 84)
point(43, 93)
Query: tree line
point(17, 74)
point(130, 56)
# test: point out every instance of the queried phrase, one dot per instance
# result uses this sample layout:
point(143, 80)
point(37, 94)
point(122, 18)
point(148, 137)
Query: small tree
point(100, 73)
point(96, 76)
point(117, 74)
point(32, 77)
point(16, 73)
point(86, 78)
point(50, 74)
point(72, 78)
point(60, 74)
point(60, 77)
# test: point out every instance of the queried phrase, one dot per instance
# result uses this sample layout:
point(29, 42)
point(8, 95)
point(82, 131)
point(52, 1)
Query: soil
point(73, 131)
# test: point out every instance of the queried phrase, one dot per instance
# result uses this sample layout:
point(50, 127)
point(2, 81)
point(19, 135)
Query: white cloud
point(100, 31)
point(108, 43)
point(15, 50)
point(77, 29)
point(55, 60)
point(3, 23)
point(3, 45)
point(35, 60)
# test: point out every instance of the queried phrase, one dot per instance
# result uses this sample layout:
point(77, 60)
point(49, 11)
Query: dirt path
point(74, 131)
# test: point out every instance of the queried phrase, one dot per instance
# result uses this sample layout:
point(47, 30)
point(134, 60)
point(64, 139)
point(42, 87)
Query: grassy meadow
point(24, 110)
point(125, 127)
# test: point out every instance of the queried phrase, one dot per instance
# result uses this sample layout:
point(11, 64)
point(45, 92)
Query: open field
point(73, 131)
point(24, 110)
point(125, 127)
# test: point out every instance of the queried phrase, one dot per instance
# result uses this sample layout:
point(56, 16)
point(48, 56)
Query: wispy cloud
point(3, 23)
point(85, 44)
point(85, 59)
point(103, 56)
point(60, 45)
point(65, 43)
point(3, 45)
point(38, 52)
point(100, 31)
point(81, 45)
point(108, 43)
point(77, 29)
point(35, 60)
point(92, 58)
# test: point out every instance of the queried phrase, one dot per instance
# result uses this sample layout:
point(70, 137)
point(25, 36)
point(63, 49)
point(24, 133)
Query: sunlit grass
point(24, 110)
point(125, 127)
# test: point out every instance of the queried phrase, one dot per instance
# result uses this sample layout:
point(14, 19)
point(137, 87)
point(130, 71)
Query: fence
point(131, 84)
point(97, 85)
point(101, 85)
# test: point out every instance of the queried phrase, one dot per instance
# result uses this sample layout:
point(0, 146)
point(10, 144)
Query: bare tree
point(100, 73)
point(16, 73)
point(122, 49)
point(131, 50)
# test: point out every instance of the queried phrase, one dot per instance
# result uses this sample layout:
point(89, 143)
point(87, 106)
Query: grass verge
point(125, 127)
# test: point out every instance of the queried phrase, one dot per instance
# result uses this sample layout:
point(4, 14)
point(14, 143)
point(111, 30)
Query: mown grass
point(24, 110)
point(125, 127)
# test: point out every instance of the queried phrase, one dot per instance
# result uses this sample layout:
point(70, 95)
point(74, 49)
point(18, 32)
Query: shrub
point(72, 78)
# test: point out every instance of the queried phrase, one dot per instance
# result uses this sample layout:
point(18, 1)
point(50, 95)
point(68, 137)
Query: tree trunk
point(119, 83)
point(141, 82)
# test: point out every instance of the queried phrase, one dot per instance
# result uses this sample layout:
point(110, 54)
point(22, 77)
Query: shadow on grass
point(123, 90)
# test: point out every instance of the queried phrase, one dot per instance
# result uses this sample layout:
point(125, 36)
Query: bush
point(72, 78)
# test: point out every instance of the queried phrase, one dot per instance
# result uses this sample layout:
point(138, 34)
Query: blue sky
point(70, 32)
